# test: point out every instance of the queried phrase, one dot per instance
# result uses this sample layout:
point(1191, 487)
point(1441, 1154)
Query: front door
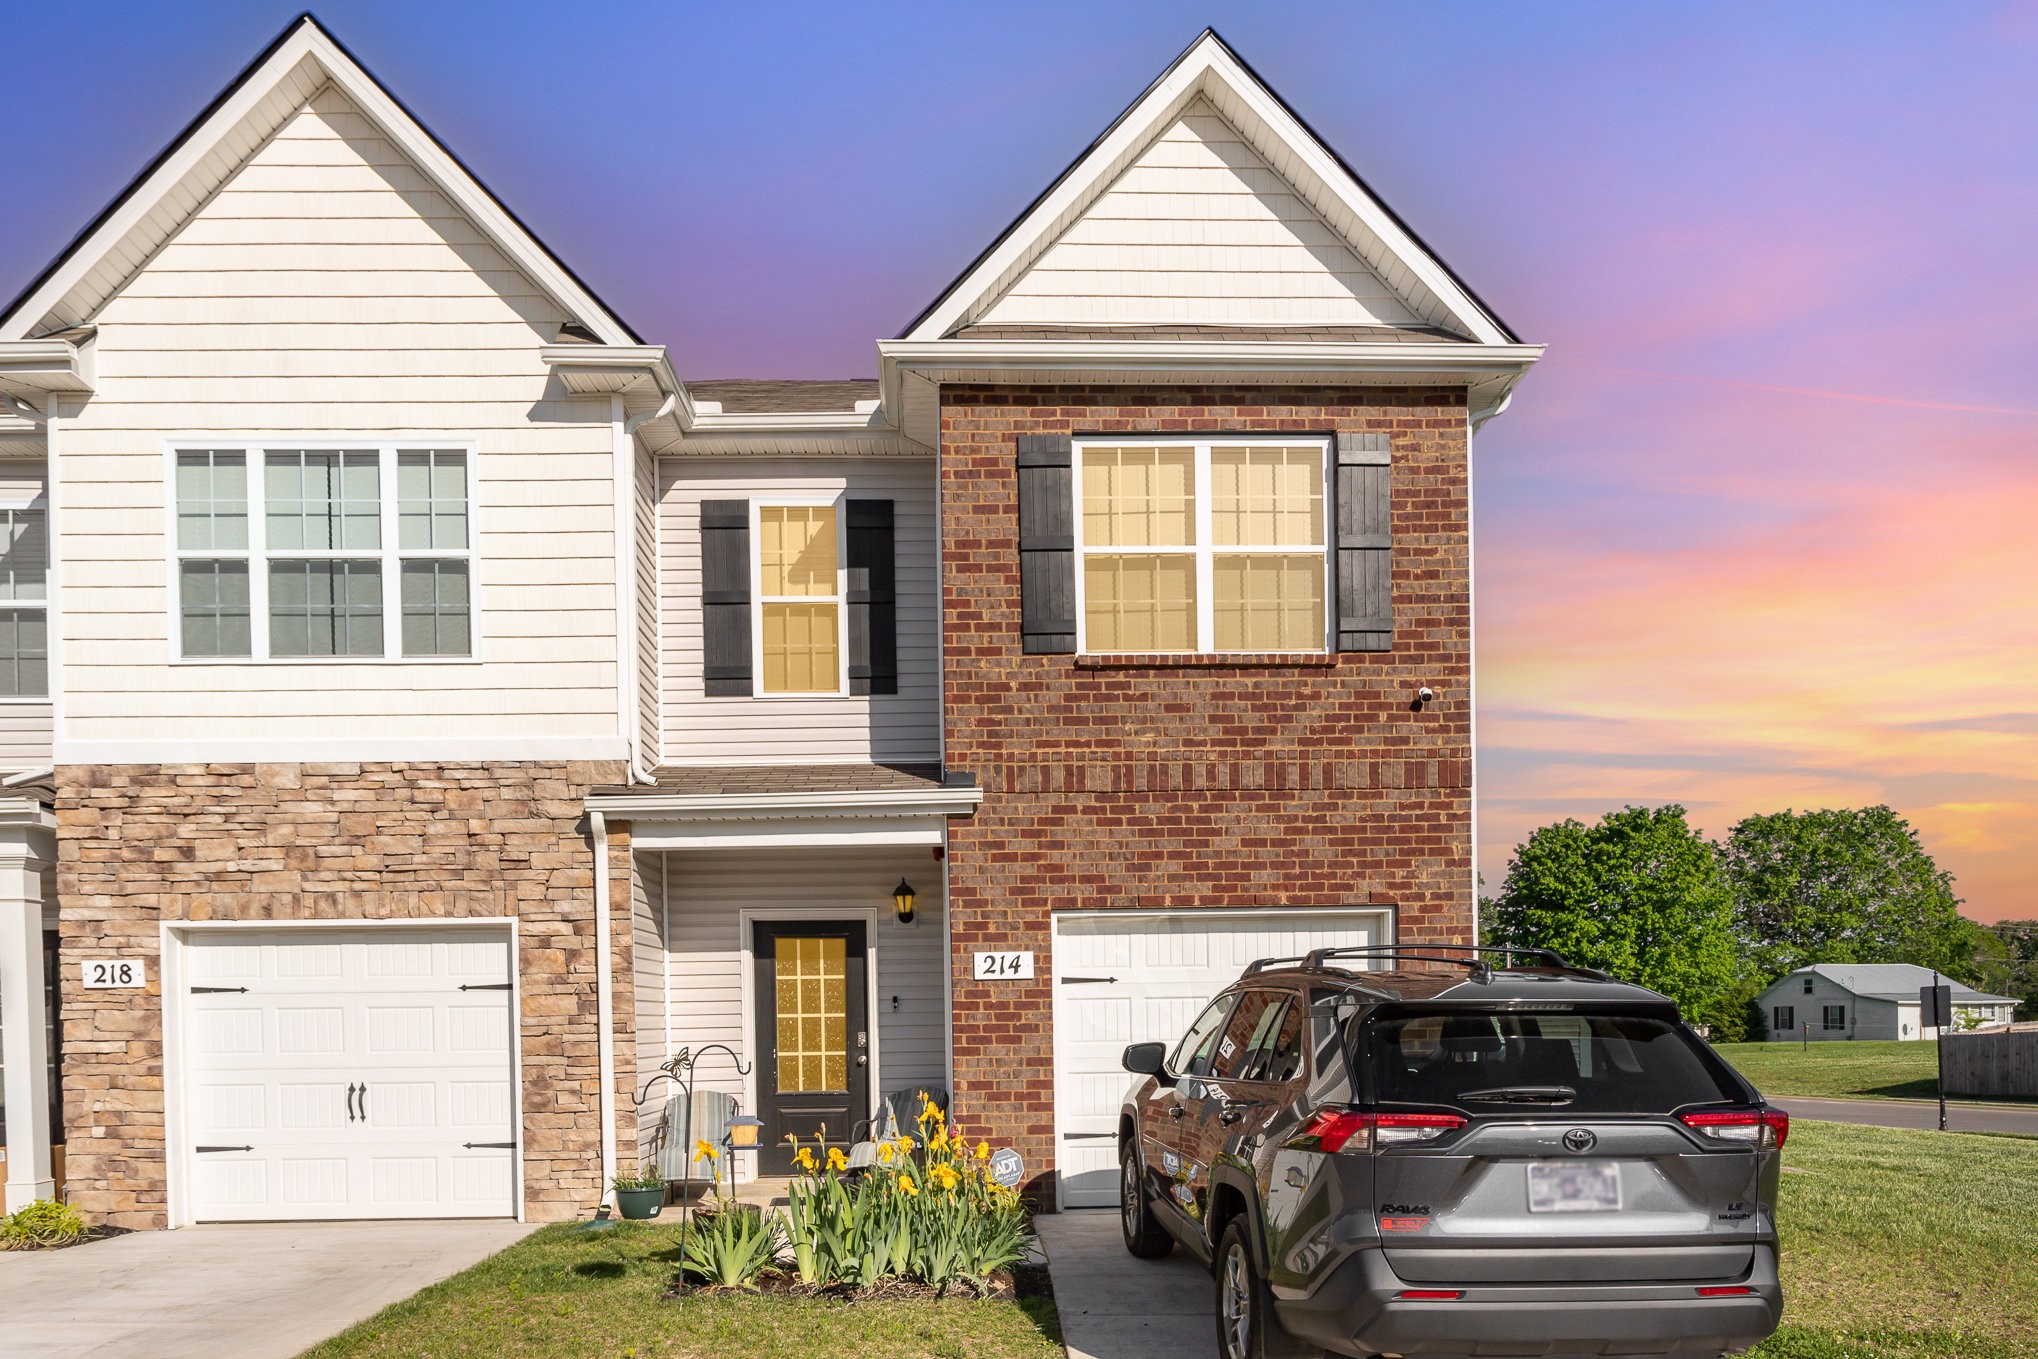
point(813, 1025)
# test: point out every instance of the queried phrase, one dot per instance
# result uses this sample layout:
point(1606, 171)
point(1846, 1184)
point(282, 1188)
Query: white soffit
point(1211, 77)
point(280, 82)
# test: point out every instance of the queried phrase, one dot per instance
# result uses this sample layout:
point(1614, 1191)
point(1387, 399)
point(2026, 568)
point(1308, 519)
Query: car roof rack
point(1445, 953)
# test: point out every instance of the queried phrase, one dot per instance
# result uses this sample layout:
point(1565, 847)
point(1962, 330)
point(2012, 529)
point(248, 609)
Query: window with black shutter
point(725, 598)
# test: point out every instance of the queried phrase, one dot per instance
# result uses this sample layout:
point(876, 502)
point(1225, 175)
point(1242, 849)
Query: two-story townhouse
point(448, 714)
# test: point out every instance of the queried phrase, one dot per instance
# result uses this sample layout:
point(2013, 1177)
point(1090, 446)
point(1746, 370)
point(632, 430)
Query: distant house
point(1868, 1000)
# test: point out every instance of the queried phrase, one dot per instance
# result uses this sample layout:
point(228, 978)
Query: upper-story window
point(323, 552)
point(1202, 546)
point(24, 603)
point(799, 599)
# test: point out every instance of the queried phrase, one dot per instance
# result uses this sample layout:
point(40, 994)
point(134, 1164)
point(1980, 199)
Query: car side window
point(1193, 1054)
point(1247, 1037)
point(1283, 1061)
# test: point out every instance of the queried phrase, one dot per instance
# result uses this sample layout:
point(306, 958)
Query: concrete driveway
point(254, 1291)
point(1115, 1307)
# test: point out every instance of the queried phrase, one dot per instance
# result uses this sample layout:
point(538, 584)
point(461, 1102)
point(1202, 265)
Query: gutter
point(757, 806)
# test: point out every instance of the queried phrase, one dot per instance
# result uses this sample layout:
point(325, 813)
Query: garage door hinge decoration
point(202, 1150)
point(485, 986)
point(1086, 981)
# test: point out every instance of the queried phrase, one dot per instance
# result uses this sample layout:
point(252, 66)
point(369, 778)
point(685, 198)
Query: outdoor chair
point(898, 1114)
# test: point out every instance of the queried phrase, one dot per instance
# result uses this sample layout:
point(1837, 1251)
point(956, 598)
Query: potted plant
point(639, 1194)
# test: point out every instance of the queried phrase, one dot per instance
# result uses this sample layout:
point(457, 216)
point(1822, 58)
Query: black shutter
point(1364, 559)
point(1047, 544)
point(725, 598)
point(873, 596)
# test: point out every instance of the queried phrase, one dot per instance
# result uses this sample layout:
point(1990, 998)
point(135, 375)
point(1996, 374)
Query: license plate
point(1574, 1187)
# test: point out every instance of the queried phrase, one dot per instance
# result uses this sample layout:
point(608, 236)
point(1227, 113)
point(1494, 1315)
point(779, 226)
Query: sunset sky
point(1761, 531)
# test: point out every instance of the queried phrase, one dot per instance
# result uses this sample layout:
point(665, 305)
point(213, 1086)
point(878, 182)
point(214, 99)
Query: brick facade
point(141, 845)
point(1190, 782)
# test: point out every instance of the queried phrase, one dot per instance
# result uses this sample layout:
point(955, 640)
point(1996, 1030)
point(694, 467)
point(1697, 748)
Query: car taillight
point(1765, 1129)
point(1343, 1130)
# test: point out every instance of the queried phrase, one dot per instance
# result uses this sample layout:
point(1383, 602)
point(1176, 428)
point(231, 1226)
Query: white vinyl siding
point(648, 968)
point(326, 291)
point(799, 729)
point(706, 892)
point(1199, 229)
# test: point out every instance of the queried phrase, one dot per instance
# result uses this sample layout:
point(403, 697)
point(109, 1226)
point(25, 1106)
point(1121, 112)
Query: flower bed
point(925, 1216)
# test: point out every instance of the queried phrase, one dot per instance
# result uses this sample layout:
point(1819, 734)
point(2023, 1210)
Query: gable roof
point(1210, 73)
point(1893, 981)
point(303, 58)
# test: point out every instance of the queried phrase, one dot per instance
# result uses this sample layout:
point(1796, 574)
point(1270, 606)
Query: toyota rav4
point(1410, 1151)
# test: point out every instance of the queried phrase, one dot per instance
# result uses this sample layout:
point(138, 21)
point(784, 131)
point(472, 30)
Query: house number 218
point(112, 973)
point(1004, 967)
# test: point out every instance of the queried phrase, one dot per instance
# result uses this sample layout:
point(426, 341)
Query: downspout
point(604, 1001)
point(627, 526)
point(1473, 420)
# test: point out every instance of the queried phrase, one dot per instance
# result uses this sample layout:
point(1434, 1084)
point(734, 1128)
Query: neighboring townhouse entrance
point(348, 1072)
point(1131, 977)
point(813, 1026)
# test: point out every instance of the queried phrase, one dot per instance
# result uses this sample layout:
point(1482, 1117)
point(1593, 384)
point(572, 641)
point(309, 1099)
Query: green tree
point(1640, 895)
point(2019, 940)
point(1844, 886)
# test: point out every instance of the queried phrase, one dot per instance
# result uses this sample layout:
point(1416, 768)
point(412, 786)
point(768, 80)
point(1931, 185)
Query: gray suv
point(1410, 1151)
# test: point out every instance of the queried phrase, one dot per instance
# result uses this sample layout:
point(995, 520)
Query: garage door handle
point(206, 1149)
point(364, 1101)
point(350, 1101)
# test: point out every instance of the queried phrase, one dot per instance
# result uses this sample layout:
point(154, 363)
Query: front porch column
point(27, 843)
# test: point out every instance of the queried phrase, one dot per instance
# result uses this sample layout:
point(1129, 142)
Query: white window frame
point(258, 557)
point(1204, 549)
point(40, 501)
point(838, 501)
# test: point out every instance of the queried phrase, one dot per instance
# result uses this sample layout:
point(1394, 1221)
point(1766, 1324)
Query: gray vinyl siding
point(904, 727)
point(707, 890)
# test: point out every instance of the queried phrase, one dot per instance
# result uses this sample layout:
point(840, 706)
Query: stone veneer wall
point(1189, 782)
point(142, 844)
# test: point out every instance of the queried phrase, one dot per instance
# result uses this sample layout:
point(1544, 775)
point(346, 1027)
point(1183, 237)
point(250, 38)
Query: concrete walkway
point(254, 1291)
point(1891, 1113)
point(1116, 1307)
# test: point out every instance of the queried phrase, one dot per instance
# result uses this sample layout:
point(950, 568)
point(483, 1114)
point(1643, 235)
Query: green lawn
point(1851, 1070)
point(564, 1293)
point(1907, 1245)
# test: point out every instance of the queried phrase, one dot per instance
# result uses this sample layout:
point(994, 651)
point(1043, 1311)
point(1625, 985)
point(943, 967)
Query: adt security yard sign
point(1008, 1167)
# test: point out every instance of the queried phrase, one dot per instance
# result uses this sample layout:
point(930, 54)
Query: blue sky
point(1755, 535)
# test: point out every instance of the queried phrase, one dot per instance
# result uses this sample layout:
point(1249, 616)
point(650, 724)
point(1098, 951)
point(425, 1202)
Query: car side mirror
point(1147, 1059)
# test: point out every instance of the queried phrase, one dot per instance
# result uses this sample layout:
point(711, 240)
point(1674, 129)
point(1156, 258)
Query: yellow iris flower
point(705, 1151)
point(885, 1153)
point(907, 1187)
point(983, 1151)
point(804, 1160)
point(836, 1160)
point(906, 1143)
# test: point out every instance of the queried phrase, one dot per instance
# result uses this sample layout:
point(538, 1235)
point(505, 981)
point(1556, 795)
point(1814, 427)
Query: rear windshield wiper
point(1523, 1094)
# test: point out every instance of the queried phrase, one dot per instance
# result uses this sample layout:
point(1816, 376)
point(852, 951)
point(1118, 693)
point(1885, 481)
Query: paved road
point(1893, 1113)
point(253, 1291)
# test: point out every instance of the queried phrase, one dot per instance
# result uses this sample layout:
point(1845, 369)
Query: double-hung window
point(24, 603)
point(1202, 546)
point(293, 553)
point(799, 599)
point(1834, 1017)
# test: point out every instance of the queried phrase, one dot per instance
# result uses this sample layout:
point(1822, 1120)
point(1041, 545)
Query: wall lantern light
point(902, 901)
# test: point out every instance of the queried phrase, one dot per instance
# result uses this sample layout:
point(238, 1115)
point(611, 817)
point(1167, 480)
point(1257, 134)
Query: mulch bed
point(1025, 1281)
point(100, 1233)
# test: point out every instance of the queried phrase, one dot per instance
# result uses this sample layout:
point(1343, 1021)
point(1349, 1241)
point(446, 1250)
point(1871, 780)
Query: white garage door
point(1122, 978)
point(349, 1073)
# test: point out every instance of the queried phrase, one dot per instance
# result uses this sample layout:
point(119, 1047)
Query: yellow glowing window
point(813, 1014)
point(799, 599)
point(1206, 546)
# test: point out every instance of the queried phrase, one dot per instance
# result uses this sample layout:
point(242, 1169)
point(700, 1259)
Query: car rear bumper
point(1357, 1311)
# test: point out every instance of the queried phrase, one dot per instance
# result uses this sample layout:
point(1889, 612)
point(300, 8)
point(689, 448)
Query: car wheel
point(1145, 1237)
point(1244, 1304)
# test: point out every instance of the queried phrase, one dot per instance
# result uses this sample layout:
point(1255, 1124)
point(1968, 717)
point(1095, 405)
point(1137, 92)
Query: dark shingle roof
point(737, 779)
point(773, 395)
point(1334, 334)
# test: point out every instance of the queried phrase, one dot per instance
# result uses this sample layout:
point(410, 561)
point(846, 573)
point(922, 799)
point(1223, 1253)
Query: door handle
point(350, 1101)
point(1231, 1113)
point(862, 1060)
point(1177, 1111)
point(364, 1101)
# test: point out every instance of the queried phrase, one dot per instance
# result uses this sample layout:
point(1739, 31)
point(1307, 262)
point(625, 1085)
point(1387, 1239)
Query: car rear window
point(1518, 1064)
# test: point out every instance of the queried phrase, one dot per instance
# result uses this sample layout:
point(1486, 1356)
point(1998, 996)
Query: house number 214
point(1004, 967)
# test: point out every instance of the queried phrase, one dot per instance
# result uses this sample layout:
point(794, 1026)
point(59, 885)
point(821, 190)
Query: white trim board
point(370, 750)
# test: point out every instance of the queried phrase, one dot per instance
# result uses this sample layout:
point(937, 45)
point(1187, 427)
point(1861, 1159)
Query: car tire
point(1145, 1237)
point(1245, 1305)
